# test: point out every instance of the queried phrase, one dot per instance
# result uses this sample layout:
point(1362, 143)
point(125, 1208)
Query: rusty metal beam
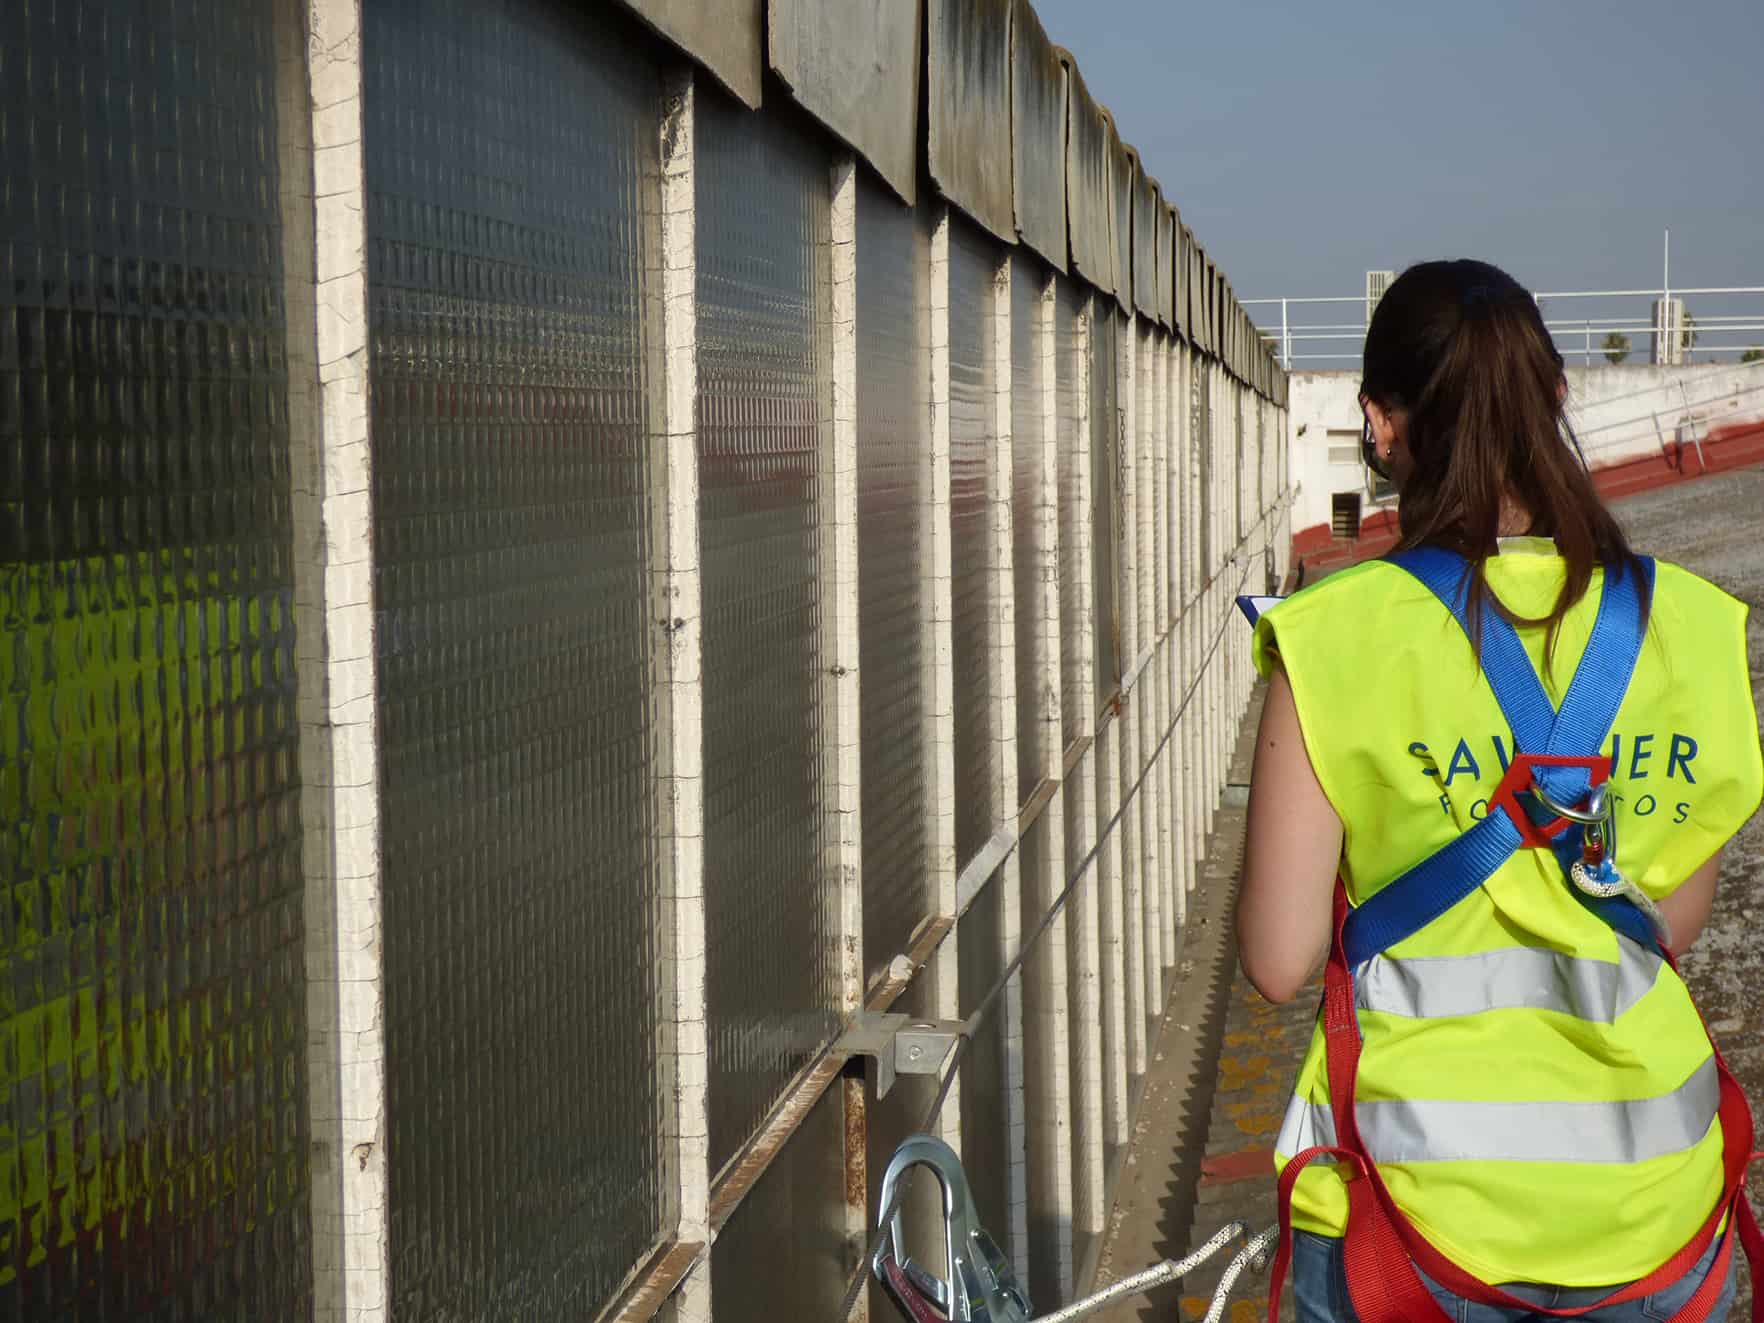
point(653, 1282)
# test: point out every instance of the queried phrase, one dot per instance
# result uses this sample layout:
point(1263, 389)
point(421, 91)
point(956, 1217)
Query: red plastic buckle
point(1519, 777)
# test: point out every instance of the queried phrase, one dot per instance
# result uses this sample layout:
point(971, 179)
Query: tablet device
point(1253, 607)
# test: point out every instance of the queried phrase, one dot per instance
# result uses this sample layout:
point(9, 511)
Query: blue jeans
point(1319, 1288)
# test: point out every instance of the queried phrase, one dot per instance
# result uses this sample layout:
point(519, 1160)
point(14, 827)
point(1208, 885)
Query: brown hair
point(1462, 349)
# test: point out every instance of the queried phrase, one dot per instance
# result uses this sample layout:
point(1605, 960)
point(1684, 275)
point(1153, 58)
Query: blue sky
point(1307, 143)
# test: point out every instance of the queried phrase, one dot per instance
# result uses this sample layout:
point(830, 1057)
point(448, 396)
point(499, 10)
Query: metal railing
point(1728, 320)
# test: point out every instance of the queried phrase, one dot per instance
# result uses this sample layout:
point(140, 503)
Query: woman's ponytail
point(1462, 348)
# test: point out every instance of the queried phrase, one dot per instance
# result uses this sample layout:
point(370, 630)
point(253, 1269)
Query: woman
point(1535, 1093)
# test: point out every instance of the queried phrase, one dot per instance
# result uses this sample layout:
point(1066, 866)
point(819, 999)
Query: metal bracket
point(899, 1044)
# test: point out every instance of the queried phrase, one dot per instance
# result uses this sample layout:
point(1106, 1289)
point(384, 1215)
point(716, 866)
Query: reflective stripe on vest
point(1416, 1130)
point(1508, 978)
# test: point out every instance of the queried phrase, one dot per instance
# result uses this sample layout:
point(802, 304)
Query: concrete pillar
point(1002, 720)
point(1226, 479)
point(1125, 734)
point(1208, 596)
point(940, 677)
point(1113, 939)
point(1226, 472)
point(1048, 987)
point(1225, 524)
point(1163, 670)
point(1234, 494)
point(841, 797)
point(1146, 569)
point(1193, 574)
point(1106, 764)
point(325, 288)
point(1208, 504)
point(1178, 660)
point(1251, 548)
point(676, 608)
point(1093, 1083)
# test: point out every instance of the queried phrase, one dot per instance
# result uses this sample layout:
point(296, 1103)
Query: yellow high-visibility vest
point(1537, 1091)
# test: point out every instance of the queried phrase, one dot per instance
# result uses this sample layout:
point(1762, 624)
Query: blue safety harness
point(1556, 753)
point(1554, 784)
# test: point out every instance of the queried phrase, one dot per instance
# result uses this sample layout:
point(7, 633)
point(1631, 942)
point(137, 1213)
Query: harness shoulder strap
point(1601, 678)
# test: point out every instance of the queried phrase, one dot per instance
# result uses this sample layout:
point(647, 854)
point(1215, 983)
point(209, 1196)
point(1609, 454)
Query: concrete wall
point(1620, 414)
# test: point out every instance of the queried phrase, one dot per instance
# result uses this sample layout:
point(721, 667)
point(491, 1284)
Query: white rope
point(1605, 882)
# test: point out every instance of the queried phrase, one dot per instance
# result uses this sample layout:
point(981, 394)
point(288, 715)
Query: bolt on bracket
point(899, 1044)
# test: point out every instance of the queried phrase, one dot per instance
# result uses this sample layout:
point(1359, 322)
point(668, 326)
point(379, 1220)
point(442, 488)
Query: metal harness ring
point(1597, 813)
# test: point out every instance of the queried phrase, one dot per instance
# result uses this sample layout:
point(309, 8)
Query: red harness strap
point(1382, 1248)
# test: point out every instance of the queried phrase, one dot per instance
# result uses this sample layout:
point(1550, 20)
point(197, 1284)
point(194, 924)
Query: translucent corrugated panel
point(154, 1142)
point(782, 1253)
point(1028, 279)
point(507, 149)
point(1068, 312)
point(1107, 434)
point(972, 260)
point(763, 210)
point(893, 463)
point(985, 1137)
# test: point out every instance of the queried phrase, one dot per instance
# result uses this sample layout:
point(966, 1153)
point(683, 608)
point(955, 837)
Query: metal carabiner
point(1599, 818)
point(981, 1286)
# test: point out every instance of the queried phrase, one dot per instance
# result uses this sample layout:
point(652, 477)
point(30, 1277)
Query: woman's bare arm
point(1686, 910)
point(1291, 854)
